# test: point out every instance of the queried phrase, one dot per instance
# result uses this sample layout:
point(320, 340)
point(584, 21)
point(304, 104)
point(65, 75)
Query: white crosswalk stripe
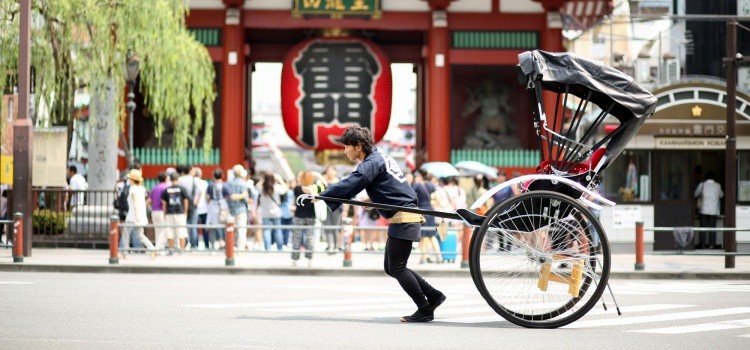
point(702, 327)
point(619, 321)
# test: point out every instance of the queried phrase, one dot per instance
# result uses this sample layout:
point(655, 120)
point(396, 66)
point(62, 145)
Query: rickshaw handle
point(440, 214)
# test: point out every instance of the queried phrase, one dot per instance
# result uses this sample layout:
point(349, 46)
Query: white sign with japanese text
point(625, 216)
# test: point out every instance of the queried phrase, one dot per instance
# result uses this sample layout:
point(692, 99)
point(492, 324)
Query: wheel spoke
point(532, 233)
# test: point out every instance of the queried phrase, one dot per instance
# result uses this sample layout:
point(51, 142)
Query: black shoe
point(435, 302)
point(422, 315)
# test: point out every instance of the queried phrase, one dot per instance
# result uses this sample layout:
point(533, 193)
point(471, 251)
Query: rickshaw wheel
point(554, 251)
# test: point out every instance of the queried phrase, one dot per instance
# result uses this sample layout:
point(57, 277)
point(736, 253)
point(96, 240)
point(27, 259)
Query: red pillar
point(233, 124)
point(552, 40)
point(437, 121)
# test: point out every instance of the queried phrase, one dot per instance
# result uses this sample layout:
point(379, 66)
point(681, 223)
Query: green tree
point(87, 42)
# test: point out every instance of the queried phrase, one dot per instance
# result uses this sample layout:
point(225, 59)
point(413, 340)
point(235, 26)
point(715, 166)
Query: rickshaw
point(541, 259)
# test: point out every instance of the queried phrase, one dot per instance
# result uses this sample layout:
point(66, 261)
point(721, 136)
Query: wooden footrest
point(573, 280)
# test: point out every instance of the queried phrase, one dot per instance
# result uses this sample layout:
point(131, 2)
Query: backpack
point(121, 202)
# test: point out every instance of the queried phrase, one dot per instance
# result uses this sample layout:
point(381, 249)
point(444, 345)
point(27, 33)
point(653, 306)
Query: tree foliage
point(86, 43)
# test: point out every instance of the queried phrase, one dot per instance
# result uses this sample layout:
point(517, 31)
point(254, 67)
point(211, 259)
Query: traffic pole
point(114, 239)
point(639, 265)
point(465, 241)
point(229, 247)
point(348, 240)
point(18, 237)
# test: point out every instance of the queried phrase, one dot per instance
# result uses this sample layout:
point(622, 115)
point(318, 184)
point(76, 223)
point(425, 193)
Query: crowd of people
point(183, 197)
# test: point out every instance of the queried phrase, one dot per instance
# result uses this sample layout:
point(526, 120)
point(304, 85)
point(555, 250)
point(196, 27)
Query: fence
point(71, 218)
point(116, 228)
point(640, 243)
point(501, 158)
point(172, 156)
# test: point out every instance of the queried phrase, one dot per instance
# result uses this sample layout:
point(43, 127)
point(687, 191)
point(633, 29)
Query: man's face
point(352, 152)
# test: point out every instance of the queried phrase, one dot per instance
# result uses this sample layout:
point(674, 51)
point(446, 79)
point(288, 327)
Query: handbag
point(321, 210)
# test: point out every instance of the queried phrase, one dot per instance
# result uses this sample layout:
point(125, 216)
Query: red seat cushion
point(546, 166)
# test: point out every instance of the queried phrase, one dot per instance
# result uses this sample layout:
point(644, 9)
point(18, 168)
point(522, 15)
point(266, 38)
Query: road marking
point(294, 303)
point(637, 308)
point(624, 309)
point(659, 318)
point(702, 327)
point(15, 282)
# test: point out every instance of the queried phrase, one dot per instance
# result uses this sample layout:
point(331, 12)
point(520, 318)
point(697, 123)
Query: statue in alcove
point(487, 102)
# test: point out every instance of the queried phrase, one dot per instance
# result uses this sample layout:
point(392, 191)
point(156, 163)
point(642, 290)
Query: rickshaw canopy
point(582, 77)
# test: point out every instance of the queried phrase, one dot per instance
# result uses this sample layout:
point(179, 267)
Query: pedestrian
point(188, 182)
point(238, 203)
point(4, 215)
point(201, 204)
point(217, 209)
point(272, 187)
point(380, 176)
point(157, 211)
point(333, 218)
point(428, 242)
point(136, 214)
point(367, 219)
point(304, 216)
point(710, 194)
point(253, 216)
point(478, 189)
point(287, 212)
point(77, 187)
point(175, 200)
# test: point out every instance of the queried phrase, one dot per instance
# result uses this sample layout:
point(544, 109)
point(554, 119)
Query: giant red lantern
point(329, 84)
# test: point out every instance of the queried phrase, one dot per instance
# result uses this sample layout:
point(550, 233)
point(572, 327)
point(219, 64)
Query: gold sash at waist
point(403, 217)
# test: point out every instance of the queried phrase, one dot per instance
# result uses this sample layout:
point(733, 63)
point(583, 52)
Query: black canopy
point(583, 76)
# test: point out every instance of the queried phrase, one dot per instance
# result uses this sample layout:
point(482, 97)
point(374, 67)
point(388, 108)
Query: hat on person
point(171, 170)
point(135, 175)
point(238, 169)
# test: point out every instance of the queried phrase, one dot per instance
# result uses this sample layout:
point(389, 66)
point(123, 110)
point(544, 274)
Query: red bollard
point(114, 239)
point(465, 242)
point(18, 237)
point(348, 240)
point(229, 248)
point(639, 265)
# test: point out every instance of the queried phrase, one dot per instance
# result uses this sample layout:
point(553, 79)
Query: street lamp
point(131, 74)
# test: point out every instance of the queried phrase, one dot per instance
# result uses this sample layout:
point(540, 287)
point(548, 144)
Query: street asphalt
point(179, 311)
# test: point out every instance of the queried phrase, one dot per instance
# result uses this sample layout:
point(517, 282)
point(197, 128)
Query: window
point(743, 176)
point(628, 178)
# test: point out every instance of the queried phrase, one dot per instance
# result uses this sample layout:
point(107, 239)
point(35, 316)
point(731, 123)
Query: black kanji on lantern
point(337, 80)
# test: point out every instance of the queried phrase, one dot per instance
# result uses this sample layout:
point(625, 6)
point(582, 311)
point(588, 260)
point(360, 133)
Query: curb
point(282, 271)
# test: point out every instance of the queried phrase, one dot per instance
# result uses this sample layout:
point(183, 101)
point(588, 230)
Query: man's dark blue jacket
point(382, 178)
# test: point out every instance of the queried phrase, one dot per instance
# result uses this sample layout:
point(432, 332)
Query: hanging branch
point(85, 42)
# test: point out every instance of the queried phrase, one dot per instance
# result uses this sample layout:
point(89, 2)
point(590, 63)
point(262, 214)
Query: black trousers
point(708, 237)
point(397, 253)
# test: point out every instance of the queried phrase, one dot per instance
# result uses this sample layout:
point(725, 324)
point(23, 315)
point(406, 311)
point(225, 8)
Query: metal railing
point(640, 244)
point(71, 218)
point(116, 228)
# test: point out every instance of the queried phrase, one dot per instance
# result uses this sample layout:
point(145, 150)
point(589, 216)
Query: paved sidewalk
point(201, 262)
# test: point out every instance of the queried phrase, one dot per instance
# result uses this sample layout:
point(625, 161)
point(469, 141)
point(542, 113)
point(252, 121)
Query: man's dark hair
point(218, 174)
point(711, 175)
point(162, 176)
point(358, 136)
point(174, 176)
point(73, 169)
point(183, 169)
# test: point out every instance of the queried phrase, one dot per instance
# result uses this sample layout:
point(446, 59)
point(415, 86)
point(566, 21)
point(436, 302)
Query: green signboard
point(337, 8)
